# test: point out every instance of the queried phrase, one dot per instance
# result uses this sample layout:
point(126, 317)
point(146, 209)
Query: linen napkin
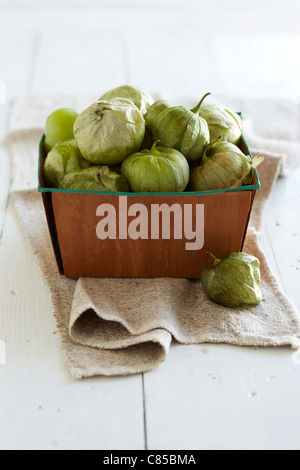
point(125, 326)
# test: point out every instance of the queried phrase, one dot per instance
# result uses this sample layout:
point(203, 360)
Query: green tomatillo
point(222, 121)
point(155, 110)
point(141, 98)
point(182, 129)
point(62, 159)
point(233, 281)
point(108, 131)
point(160, 169)
point(95, 178)
point(59, 127)
point(223, 166)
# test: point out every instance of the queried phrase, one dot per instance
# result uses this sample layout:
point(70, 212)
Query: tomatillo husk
point(95, 178)
point(108, 131)
point(222, 121)
point(223, 166)
point(155, 110)
point(141, 98)
point(62, 159)
point(233, 281)
point(160, 169)
point(182, 129)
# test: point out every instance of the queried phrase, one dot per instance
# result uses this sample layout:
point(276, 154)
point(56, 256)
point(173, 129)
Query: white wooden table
point(203, 396)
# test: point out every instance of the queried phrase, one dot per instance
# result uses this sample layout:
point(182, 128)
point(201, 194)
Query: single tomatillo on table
point(233, 280)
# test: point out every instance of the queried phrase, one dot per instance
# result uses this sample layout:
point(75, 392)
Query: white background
point(202, 397)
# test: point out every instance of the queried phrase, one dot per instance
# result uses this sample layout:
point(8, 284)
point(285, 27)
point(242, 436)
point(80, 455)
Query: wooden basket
point(218, 218)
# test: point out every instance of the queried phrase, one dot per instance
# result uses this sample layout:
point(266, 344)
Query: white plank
point(283, 227)
point(217, 397)
point(145, 18)
point(174, 61)
point(16, 58)
point(4, 186)
point(267, 248)
point(41, 406)
point(248, 65)
point(185, 63)
point(11, 46)
point(89, 62)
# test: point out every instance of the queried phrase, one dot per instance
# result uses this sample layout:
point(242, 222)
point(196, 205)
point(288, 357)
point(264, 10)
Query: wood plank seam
point(33, 60)
point(275, 258)
point(145, 413)
point(5, 212)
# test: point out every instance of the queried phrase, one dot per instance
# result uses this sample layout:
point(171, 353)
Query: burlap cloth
point(125, 326)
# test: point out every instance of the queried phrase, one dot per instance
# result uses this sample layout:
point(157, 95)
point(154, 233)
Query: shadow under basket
point(146, 235)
